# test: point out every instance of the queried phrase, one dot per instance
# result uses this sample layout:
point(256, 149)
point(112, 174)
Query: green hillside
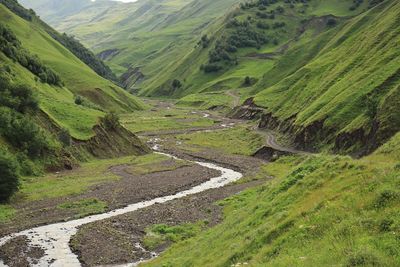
point(78, 78)
point(337, 88)
point(319, 211)
point(150, 35)
point(55, 110)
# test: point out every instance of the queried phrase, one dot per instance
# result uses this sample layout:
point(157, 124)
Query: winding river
point(54, 238)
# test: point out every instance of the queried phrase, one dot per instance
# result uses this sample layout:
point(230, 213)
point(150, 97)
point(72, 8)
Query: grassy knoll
point(323, 210)
point(238, 140)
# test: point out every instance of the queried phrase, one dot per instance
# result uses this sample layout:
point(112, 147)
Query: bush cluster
point(15, 7)
point(9, 178)
point(11, 47)
point(111, 121)
point(17, 105)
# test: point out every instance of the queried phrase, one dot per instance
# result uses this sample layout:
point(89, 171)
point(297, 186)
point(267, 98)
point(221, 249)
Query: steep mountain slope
point(52, 103)
point(346, 90)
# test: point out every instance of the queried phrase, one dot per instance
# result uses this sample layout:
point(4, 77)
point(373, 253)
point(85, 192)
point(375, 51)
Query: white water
point(54, 238)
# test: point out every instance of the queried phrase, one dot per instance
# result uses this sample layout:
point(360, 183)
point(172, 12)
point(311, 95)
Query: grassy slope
point(195, 81)
point(319, 211)
point(155, 35)
point(57, 102)
point(353, 63)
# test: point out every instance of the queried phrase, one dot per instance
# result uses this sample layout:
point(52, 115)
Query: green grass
point(320, 210)
point(158, 234)
point(164, 119)
point(6, 213)
point(238, 140)
point(155, 163)
point(75, 182)
point(84, 207)
point(206, 101)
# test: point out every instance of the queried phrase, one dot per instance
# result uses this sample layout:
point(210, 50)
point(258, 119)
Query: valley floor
point(103, 185)
point(319, 210)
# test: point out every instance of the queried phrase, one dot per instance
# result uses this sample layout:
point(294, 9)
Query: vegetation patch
point(11, 47)
point(160, 234)
point(172, 119)
point(237, 140)
point(85, 207)
point(6, 213)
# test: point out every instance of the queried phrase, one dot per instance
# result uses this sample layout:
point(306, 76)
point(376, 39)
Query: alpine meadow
point(199, 133)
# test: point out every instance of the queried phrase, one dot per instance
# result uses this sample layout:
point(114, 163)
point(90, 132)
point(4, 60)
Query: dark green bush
point(9, 176)
point(64, 137)
point(176, 84)
point(21, 132)
point(363, 258)
point(247, 81)
point(79, 100)
point(385, 198)
point(111, 121)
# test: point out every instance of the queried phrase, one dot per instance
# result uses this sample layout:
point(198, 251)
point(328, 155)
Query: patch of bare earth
point(18, 253)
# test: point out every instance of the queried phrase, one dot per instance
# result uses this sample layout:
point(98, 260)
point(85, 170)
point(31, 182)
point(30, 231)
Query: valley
point(218, 133)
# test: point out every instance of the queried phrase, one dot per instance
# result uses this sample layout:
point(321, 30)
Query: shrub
point(79, 100)
point(17, 97)
point(21, 132)
point(211, 68)
point(331, 22)
point(363, 258)
point(111, 121)
point(205, 41)
point(176, 84)
point(247, 81)
point(64, 137)
point(385, 198)
point(9, 176)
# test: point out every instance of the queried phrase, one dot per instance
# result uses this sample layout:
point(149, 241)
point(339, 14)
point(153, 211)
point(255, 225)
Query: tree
point(78, 100)
point(9, 178)
point(176, 84)
point(64, 137)
point(331, 22)
point(247, 81)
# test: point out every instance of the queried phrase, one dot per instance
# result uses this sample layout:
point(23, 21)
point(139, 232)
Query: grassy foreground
point(321, 211)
